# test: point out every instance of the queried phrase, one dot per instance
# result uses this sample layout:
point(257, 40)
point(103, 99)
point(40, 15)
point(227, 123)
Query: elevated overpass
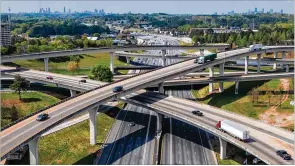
point(74, 84)
point(28, 129)
point(265, 139)
point(50, 54)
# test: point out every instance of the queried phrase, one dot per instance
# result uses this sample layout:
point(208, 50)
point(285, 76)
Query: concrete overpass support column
point(221, 73)
point(112, 62)
point(258, 62)
point(92, 125)
point(246, 64)
point(161, 88)
point(46, 64)
point(163, 58)
point(283, 57)
point(275, 65)
point(237, 87)
point(287, 68)
point(211, 74)
point(73, 93)
point(128, 60)
point(160, 118)
point(223, 145)
point(33, 150)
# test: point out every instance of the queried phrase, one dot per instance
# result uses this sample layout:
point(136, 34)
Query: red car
point(49, 77)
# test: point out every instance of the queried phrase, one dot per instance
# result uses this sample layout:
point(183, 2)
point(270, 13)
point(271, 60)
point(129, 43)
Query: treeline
point(46, 44)
point(46, 28)
point(267, 35)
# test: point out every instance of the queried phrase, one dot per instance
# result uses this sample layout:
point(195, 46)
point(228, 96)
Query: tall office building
point(282, 12)
point(64, 9)
point(5, 30)
point(256, 10)
point(262, 11)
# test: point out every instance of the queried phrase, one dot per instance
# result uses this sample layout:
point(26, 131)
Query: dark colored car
point(84, 81)
point(118, 89)
point(283, 154)
point(198, 113)
point(49, 77)
point(42, 117)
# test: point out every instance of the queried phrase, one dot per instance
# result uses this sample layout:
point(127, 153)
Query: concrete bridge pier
point(161, 88)
point(73, 93)
point(33, 150)
point(221, 73)
point(246, 64)
point(112, 62)
point(275, 65)
point(223, 145)
point(92, 124)
point(160, 118)
point(46, 64)
point(258, 63)
point(283, 57)
point(236, 87)
point(287, 68)
point(128, 60)
point(163, 58)
point(211, 74)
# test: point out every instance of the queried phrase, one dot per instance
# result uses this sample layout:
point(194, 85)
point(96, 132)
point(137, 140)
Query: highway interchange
point(66, 109)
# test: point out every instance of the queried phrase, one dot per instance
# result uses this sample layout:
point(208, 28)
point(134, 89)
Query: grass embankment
point(13, 108)
point(239, 103)
point(71, 145)
point(85, 64)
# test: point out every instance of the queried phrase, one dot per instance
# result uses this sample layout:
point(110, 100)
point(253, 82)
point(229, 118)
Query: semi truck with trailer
point(204, 58)
point(233, 129)
point(255, 47)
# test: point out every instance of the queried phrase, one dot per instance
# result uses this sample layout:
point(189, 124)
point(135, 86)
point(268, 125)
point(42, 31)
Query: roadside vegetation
point(12, 108)
point(268, 101)
point(77, 67)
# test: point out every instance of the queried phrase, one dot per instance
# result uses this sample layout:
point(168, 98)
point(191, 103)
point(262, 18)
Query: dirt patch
point(272, 116)
point(10, 103)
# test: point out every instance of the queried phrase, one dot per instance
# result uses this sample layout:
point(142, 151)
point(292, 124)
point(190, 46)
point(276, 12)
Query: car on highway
point(42, 117)
point(198, 113)
point(84, 81)
point(256, 161)
point(132, 124)
point(49, 77)
point(118, 89)
point(283, 154)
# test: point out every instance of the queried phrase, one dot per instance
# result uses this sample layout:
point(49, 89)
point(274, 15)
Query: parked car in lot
point(49, 77)
point(84, 81)
point(198, 113)
point(42, 117)
point(283, 154)
point(118, 89)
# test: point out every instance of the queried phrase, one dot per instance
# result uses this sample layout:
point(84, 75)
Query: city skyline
point(172, 7)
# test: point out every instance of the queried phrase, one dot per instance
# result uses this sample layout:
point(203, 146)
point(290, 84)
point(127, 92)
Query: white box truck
point(233, 129)
point(255, 47)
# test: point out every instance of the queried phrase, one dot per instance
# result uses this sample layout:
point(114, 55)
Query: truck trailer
point(233, 129)
point(204, 58)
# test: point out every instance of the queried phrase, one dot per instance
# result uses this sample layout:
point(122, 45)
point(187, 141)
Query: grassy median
point(87, 61)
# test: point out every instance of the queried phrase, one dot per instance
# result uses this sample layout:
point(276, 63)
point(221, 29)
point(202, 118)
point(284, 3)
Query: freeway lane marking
point(146, 138)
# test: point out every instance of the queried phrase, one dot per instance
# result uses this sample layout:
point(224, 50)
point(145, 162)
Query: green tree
point(19, 84)
point(96, 35)
point(4, 51)
point(101, 73)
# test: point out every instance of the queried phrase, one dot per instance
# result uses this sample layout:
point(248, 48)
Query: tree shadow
point(29, 100)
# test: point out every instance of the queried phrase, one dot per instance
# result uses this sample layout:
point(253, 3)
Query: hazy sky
point(140, 6)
